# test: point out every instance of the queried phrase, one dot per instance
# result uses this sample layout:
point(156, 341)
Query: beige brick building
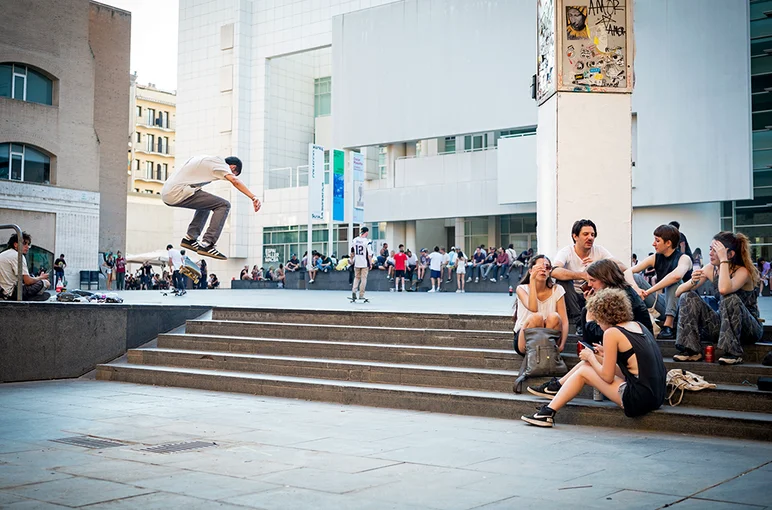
point(64, 96)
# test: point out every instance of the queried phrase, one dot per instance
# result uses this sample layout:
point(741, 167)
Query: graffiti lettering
point(604, 7)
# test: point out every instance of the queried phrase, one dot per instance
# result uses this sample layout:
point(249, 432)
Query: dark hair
point(697, 251)
point(740, 245)
point(233, 160)
point(579, 224)
point(511, 246)
point(635, 256)
point(15, 239)
point(363, 230)
point(460, 253)
point(609, 273)
point(436, 248)
point(527, 276)
point(401, 246)
point(668, 233)
point(675, 224)
point(61, 256)
point(169, 246)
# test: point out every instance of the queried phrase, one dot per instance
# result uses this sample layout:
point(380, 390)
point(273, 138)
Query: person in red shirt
point(120, 271)
point(400, 259)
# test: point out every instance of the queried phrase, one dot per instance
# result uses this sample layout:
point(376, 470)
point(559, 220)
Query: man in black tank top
point(672, 267)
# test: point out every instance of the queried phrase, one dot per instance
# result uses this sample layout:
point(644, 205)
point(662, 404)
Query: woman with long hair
point(627, 368)
point(735, 280)
point(605, 274)
point(460, 270)
point(540, 303)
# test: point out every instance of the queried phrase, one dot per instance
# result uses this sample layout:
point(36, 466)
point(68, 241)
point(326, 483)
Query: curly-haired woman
point(627, 368)
point(735, 280)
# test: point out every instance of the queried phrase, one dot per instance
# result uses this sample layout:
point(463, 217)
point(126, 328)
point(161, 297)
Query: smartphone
point(586, 345)
point(585, 287)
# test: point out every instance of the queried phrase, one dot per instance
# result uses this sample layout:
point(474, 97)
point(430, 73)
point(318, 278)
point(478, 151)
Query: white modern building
point(437, 95)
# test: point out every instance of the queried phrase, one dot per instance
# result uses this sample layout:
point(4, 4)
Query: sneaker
point(463, 291)
point(43, 296)
point(210, 251)
point(730, 359)
point(493, 280)
point(353, 296)
point(687, 355)
point(547, 390)
point(477, 280)
point(544, 417)
point(667, 333)
point(432, 290)
point(458, 291)
point(310, 281)
point(190, 244)
point(469, 279)
point(447, 281)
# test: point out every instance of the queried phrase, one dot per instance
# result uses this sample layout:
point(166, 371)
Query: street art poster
point(595, 46)
point(545, 75)
point(338, 185)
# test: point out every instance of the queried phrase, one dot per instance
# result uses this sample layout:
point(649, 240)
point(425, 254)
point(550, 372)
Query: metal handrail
point(19, 268)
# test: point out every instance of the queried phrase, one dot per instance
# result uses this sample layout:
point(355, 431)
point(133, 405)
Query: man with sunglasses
point(34, 287)
point(183, 189)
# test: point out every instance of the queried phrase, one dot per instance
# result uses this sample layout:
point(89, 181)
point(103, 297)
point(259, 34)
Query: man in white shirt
point(34, 288)
point(175, 263)
point(435, 267)
point(363, 261)
point(570, 266)
point(183, 189)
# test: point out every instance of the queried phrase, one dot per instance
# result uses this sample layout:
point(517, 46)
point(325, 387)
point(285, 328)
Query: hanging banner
point(316, 198)
point(358, 167)
point(338, 184)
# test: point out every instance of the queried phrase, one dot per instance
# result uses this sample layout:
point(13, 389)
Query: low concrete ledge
point(61, 340)
point(377, 281)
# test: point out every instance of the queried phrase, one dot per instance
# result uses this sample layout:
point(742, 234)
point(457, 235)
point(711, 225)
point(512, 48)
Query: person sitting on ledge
point(540, 303)
point(628, 367)
point(34, 288)
point(734, 279)
point(671, 266)
point(605, 274)
point(293, 264)
point(313, 267)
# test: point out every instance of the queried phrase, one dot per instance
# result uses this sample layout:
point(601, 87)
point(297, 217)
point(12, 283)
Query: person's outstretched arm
point(242, 188)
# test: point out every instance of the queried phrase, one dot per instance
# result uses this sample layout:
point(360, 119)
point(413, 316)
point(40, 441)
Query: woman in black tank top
point(628, 368)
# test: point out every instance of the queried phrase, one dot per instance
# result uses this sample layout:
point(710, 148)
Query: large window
point(476, 142)
point(382, 168)
point(279, 243)
point(450, 144)
point(25, 84)
point(150, 143)
point(475, 234)
point(19, 162)
point(322, 96)
point(150, 116)
point(148, 169)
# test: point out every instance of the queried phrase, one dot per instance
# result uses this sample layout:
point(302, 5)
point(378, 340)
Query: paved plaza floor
point(481, 303)
point(275, 453)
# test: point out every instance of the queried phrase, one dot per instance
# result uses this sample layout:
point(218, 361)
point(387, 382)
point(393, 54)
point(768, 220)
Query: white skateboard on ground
point(353, 299)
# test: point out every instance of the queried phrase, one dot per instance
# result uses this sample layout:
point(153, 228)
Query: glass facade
point(518, 230)
point(20, 162)
point(322, 96)
point(279, 243)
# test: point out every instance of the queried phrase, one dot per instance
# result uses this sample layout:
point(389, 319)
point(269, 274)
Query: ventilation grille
point(89, 442)
point(179, 447)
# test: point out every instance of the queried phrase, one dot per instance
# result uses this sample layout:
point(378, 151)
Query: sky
point(153, 40)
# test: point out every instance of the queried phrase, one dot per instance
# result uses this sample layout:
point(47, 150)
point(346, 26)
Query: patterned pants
point(732, 326)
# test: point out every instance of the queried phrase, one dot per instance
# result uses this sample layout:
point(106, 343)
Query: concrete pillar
point(493, 238)
point(410, 236)
point(393, 152)
point(460, 227)
point(584, 139)
point(395, 234)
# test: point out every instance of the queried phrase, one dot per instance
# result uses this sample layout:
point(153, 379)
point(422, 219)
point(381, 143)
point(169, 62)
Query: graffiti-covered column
point(584, 142)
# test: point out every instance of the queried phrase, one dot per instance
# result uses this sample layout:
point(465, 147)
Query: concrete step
point(754, 353)
point(349, 333)
point(757, 426)
point(729, 397)
point(747, 373)
point(495, 359)
point(367, 318)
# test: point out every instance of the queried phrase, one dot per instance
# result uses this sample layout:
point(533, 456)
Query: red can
point(709, 354)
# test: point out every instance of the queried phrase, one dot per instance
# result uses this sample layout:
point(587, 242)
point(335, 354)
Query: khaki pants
point(360, 280)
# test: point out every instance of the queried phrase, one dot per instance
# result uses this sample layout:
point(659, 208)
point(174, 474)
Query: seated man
point(476, 267)
point(489, 263)
point(412, 262)
point(390, 266)
point(325, 264)
point(34, 288)
point(293, 264)
point(383, 255)
point(501, 266)
point(451, 265)
point(570, 267)
point(521, 261)
point(672, 267)
point(423, 264)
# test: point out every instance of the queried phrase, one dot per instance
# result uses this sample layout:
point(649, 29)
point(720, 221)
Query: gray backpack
point(542, 356)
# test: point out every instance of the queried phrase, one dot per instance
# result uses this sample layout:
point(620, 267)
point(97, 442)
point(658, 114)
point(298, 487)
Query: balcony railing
point(292, 177)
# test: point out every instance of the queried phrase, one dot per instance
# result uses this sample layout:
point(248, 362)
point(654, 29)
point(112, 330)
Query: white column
point(459, 233)
point(493, 239)
point(410, 237)
point(395, 234)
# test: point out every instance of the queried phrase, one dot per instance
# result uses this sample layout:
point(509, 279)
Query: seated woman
point(627, 368)
point(213, 281)
point(735, 279)
point(540, 303)
point(605, 274)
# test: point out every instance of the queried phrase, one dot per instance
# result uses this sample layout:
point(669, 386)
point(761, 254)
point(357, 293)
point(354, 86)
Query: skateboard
point(354, 300)
point(175, 292)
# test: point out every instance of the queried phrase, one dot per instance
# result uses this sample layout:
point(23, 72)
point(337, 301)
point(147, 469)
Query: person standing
point(183, 189)
point(435, 268)
point(400, 266)
point(363, 261)
point(175, 263)
point(109, 265)
point(59, 265)
point(147, 275)
point(204, 273)
point(120, 272)
point(460, 270)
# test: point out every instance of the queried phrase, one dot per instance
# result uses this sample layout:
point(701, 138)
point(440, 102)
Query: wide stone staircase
point(459, 364)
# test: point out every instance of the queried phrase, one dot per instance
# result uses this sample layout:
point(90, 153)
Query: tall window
point(475, 142)
point(150, 116)
point(139, 112)
point(382, 168)
point(164, 116)
point(164, 172)
point(19, 162)
point(148, 169)
point(322, 96)
point(139, 137)
point(150, 143)
point(25, 84)
point(136, 165)
point(450, 144)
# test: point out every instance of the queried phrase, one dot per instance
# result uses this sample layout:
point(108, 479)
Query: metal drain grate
point(89, 442)
point(179, 447)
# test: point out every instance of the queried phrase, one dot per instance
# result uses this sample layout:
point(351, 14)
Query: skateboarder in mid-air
point(183, 189)
point(363, 261)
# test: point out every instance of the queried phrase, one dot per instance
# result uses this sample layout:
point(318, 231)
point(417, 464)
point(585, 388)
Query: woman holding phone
point(605, 274)
point(627, 368)
point(736, 322)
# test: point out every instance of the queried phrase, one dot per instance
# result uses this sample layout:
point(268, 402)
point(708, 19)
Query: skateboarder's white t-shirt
point(362, 252)
point(435, 260)
point(195, 173)
point(176, 258)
